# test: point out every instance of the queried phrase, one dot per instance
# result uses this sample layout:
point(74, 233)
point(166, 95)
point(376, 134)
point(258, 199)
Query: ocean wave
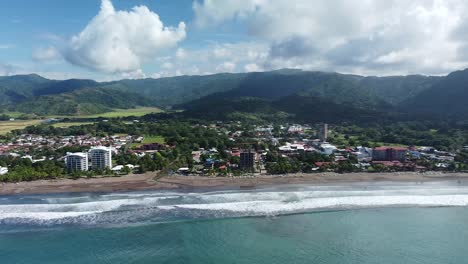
point(125, 208)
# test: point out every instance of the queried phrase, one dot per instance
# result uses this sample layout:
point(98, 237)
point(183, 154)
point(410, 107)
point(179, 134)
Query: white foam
point(273, 207)
point(44, 215)
point(134, 205)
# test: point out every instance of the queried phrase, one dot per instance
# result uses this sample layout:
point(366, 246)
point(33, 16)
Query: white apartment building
point(76, 162)
point(101, 158)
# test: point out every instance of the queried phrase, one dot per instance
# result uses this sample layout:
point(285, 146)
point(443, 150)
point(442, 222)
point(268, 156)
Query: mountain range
point(301, 94)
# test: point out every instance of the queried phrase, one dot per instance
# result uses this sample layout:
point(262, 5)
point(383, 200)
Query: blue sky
point(104, 39)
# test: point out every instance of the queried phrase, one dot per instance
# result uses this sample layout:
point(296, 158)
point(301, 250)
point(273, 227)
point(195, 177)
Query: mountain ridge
point(368, 93)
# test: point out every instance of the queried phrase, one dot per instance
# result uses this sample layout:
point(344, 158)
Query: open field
point(70, 124)
point(150, 140)
point(126, 112)
point(140, 111)
point(153, 139)
point(8, 126)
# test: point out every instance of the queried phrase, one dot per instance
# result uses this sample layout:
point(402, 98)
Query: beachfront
point(146, 181)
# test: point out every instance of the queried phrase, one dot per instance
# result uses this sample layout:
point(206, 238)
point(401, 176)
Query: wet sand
point(141, 182)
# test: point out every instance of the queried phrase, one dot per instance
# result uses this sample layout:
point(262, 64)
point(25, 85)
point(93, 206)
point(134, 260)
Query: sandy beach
point(140, 182)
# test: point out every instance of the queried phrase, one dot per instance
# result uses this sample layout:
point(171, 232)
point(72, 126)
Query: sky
point(117, 39)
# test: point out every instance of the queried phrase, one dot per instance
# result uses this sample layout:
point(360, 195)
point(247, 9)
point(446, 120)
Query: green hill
point(327, 93)
point(447, 98)
point(87, 101)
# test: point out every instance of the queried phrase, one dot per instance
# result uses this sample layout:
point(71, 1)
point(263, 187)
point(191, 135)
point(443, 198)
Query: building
point(324, 133)
point(247, 160)
point(389, 154)
point(327, 149)
point(101, 158)
point(152, 146)
point(3, 170)
point(76, 162)
point(296, 129)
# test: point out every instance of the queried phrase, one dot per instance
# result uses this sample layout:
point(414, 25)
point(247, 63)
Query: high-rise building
point(247, 160)
point(389, 154)
point(76, 162)
point(324, 133)
point(101, 158)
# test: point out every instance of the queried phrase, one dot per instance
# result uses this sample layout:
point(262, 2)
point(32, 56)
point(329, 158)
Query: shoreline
point(146, 182)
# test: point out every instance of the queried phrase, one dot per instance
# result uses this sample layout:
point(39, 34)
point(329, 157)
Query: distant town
point(225, 149)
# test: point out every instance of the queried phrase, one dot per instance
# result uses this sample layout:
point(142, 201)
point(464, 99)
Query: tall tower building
point(76, 162)
point(101, 158)
point(324, 133)
point(247, 160)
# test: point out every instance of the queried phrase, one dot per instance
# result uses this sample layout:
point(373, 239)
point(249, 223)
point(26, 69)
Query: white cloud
point(121, 41)
point(167, 65)
point(227, 66)
point(46, 54)
point(6, 46)
point(181, 54)
point(7, 69)
point(394, 36)
point(222, 52)
point(136, 74)
point(252, 67)
point(204, 61)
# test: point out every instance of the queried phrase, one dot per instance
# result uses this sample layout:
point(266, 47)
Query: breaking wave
point(152, 207)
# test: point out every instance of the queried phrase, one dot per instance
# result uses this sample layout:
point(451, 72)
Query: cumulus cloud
point(232, 57)
point(181, 54)
point(382, 37)
point(252, 67)
point(46, 54)
point(121, 41)
point(227, 66)
point(7, 69)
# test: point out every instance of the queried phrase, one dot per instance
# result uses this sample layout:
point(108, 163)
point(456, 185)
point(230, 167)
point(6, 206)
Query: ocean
point(358, 223)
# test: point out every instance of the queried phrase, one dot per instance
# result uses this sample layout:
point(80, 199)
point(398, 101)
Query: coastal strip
point(141, 182)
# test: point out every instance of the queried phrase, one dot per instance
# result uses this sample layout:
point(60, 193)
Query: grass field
point(127, 112)
point(70, 124)
point(150, 140)
point(8, 126)
point(141, 111)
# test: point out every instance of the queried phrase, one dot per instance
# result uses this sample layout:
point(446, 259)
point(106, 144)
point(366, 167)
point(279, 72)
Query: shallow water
point(360, 223)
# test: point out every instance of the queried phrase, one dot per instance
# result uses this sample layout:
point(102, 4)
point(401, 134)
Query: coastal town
point(251, 150)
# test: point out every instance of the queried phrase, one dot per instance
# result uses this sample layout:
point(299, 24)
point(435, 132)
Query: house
point(196, 156)
point(296, 129)
point(3, 170)
point(327, 148)
point(119, 168)
point(184, 171)
point(152, 146)
point(322, 163)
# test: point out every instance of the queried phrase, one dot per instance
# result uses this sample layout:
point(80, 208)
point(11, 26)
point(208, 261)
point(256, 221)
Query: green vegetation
point(353, 95)
point(82, 102)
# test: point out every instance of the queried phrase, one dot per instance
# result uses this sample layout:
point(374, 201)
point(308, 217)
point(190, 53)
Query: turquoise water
point(379, 223)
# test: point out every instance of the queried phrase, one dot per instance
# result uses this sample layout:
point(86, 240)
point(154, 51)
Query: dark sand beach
point(140, 182)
